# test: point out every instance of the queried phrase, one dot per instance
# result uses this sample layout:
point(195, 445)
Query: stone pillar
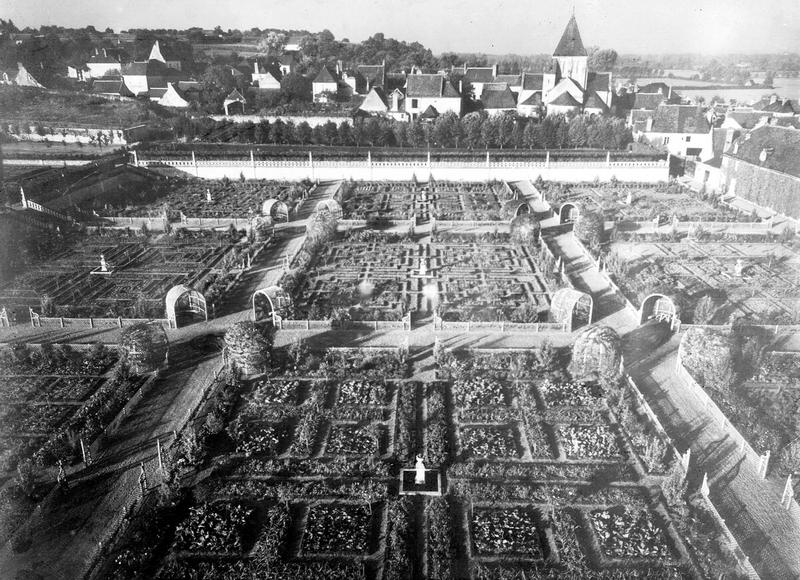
point(704, 489)
point(763, 464)
point(788, 494)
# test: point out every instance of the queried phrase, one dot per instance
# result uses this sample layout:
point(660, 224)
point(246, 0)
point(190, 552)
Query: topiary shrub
point(248, 348)
point(144, 347)
point(706, 354)
point(597, 352)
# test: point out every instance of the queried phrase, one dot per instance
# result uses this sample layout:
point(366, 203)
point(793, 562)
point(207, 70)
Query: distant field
point(223, 49)
point(65, 109)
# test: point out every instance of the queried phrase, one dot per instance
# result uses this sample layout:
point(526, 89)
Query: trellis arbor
point(271, 303)
point(185, 305)
point(571, 307)
point(330, 206)
point(660, 307)
point(597, 352)
point(568, 213)
point(514, 208)
point(275, 209)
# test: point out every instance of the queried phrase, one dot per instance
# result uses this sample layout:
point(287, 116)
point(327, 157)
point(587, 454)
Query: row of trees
point(473, 131)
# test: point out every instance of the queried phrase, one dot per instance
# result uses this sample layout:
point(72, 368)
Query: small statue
point(423, 267)
point(103, 263)
point(419, 477)
point(738, 268)
point(208, 196)
point(629, 199)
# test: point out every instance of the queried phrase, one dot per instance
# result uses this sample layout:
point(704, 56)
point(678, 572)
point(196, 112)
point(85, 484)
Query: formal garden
point(544, 475)
point(140, 268)
point(178, 197)
point(714, 281)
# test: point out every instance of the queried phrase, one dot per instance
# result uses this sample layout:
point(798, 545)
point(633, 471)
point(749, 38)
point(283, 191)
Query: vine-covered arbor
point(572, 307)
point(275, 209)
point(514, 208)
point(568, 213)
point(330, 206)
point(185, 305)
point(597, 352)
point(660, 307)
point(270, 302)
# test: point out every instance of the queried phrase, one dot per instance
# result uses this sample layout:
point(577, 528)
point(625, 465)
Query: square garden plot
point(353, 439)
point(361, 393)
point(507, 532)
point(259, 438)
point(627, 533)
point(478, 392)
point(571, 394)
point(489, 441)
point(332, 529)
point(588, 441)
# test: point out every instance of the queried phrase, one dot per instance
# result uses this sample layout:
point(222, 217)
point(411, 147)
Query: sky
point(487, 26)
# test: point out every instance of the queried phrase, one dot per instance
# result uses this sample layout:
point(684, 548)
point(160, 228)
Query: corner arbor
point(571, 307)
point(597, 352)
point(144, 346)
point(515, 208)
point(330, 206)
point(270, 303)
point(185, 305)
point(661, 307)
point(568, 213)
point(275, 209)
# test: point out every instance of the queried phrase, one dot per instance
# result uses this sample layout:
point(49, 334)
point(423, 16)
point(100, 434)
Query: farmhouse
point(431, 90)
point(763, 166)
point(681, 129)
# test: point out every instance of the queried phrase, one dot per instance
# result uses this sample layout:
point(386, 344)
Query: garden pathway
point(69, 535)
point(767, 533)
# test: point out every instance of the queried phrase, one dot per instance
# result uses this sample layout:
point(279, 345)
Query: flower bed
point(588, 441)
point(624, 533)
point(489, 442)
point(258, 438)
point(478, 392)
point(268, 393)
point(350, 439)
point(572, 394)
point(361, 393)
point(506, 532)
point(336, 528)
point(215, 528)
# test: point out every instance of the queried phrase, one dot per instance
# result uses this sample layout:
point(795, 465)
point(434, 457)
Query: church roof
point(565, 99)
point(570, 43)
point(595, 102)
point(532, 82)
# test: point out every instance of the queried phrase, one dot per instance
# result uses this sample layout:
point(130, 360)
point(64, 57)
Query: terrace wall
point(312, 120)
point(577, 172)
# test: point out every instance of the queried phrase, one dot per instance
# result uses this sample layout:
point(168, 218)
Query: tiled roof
point(792, 122)
point(510, 80)
point(428, 86)
point(641, 115)
point(662, 88)
point(595, 102)
point(781, 146)
point(374, 73)
point(649, 101)
point(533, 100)
point(483, 74)
point(111, 87)
point(565, 99)
point(156, 92)
point(375, 101)
point(680, 119)
point(135, 69)
point(570, 43)
point(599, 82)
point(495, 86)
point(532, 82)
point(235, 96)
point(325, 76)
point(430, 113)
point(745, 119)
point(498, 98)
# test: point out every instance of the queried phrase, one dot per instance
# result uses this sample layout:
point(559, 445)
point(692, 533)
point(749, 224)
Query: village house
point(264, 78)
point(763, 166)
point(477, 76)
point(287, 63)
point(105, 63)
point(434, 91)
point(234, 103)
point(498, 98)
point(377, 103)
point(26, 78)
point(682, 130)
point(365, 77)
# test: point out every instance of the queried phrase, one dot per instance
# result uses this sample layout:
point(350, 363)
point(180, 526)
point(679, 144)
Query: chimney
point(649, 125)
point(494, 70)
point(105, 53)
point(395, 101)
point(773, 99)
point(338, 67)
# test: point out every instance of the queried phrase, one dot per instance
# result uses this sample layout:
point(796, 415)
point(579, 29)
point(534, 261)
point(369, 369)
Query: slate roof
point(782, 145)
point(680, 119)
point(235, 96)
point(135, 68)
point(533, 100)
point(792, 122)
point(325, 76)
point(570, 43)
point(374, 73)
point(111, 87)
point(510, 80)
point(375, 101)
point(429, 86)
point(648, 101)
point(430, 113)
point(479, 74)
point(532, 82)
point(745, 119)
point(498, 98)
point(595, 102)
point(598, 82)
point(565, 99)
point(657, 87)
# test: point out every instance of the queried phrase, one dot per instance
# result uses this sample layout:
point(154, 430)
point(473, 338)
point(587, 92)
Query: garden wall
point(765, 187)
point(635, 171)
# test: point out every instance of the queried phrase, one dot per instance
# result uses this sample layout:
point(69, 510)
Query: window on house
point(414, 103)
point(688, 138)
point(666, 140)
